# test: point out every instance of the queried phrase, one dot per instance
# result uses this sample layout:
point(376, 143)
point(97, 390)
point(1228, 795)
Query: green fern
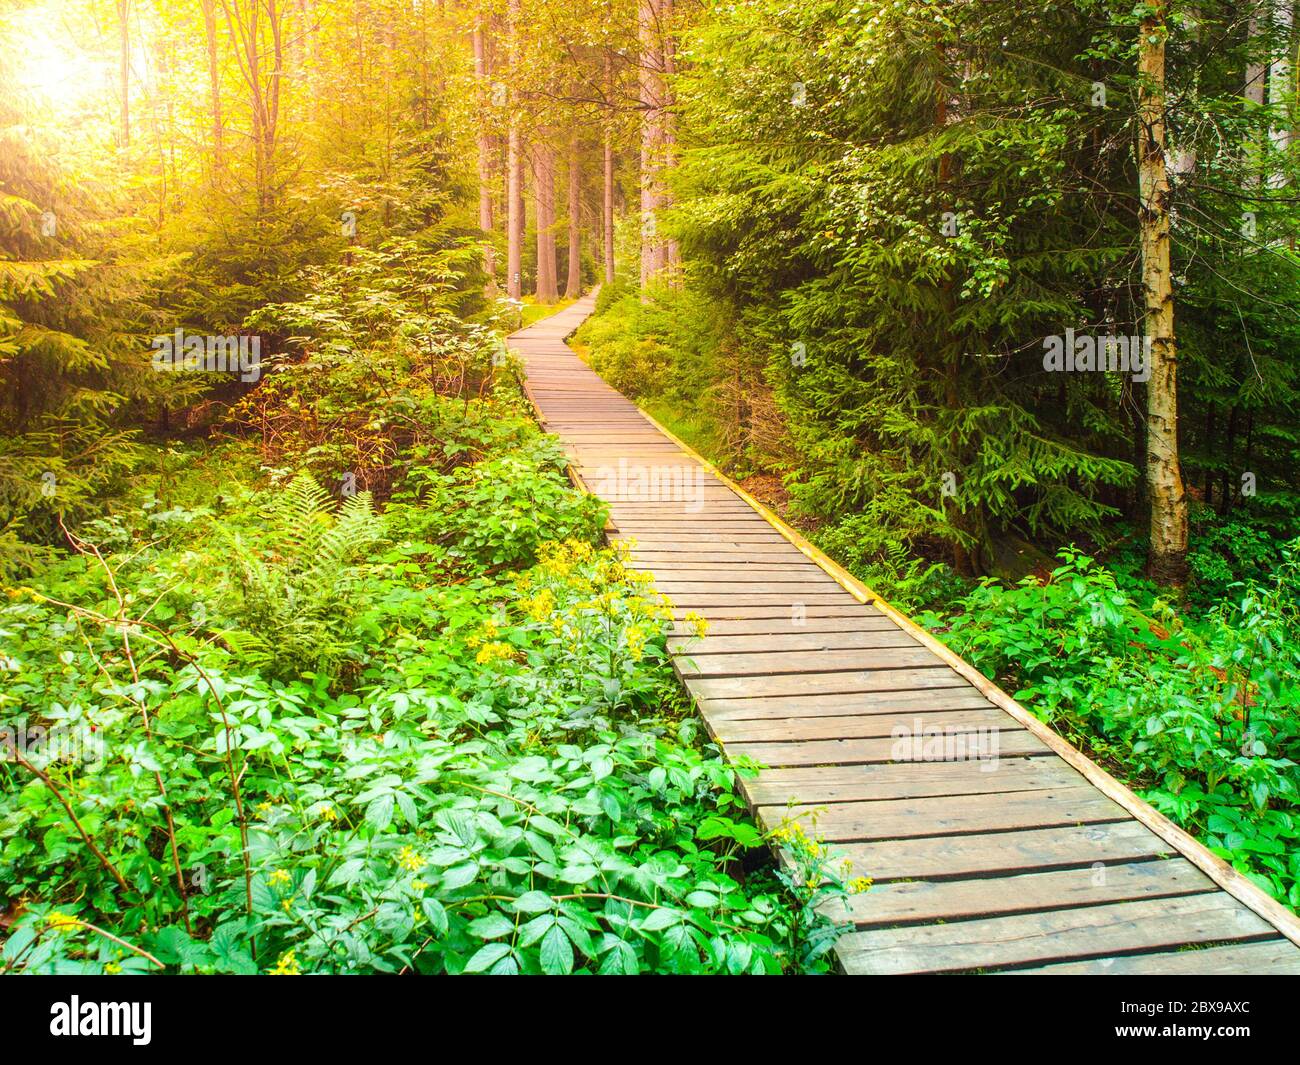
point(297, 598)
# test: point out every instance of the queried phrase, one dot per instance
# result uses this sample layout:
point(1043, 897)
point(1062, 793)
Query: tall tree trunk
point(668, 128)
point(1256, 80)
point(607, 191)
point(573, 285)
point(1279, 80)
point(514, 213)
point(514, 170)
point(484, 160)
point(214, 88)
point(650, 98)
point(1167, 560)
point(607, 209)
point(124, 71)
point(544, 184)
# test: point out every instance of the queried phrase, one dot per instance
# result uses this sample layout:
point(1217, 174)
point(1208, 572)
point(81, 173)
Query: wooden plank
point(792, 586)
point(879, 680)
point(914, 780)
point(859, 621)
point(1042, 849)
point(790, 642)
point(863, 726)
point(948, 816)
point(948, 900)
point(1053, 935)
point(772, 611)
point(849, 704)
point(1275, 957)
point(960, 746)
point(798, 663)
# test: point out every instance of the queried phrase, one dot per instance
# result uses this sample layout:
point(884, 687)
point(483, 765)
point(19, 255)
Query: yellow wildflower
point(859, 884)
point(280, 876)
point(287, 965)
point(419, 885)
point(698, 624)
point(61, 922)
point(541, 606)
point(490, 652)
point(112, 968)
point(409, 859)
point(635, 636)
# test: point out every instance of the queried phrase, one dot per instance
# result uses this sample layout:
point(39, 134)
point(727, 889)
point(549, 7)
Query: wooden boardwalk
point(993, 845)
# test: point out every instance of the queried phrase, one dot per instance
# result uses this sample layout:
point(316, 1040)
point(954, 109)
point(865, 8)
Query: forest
point(315, 655)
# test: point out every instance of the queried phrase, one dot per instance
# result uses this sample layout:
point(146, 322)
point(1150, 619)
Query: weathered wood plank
point(879, 680)
point(939, 857)
point(850, 704)
point(859, 620)
point(767, 663)
point(913, 780)
point(1051, 936)
point(1276, 957)
point(791, 642)
point(917, 747)
point(948, 815)
point(949, 900)
point(863, 726)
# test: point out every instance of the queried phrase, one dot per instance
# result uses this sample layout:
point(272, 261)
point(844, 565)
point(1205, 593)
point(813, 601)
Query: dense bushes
point(253, 728)
point(1203, 718)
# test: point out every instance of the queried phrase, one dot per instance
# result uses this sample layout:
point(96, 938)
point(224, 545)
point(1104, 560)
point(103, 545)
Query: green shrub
point(1206, 724)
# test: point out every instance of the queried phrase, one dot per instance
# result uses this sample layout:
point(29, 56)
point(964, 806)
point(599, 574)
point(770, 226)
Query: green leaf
point(556, 953)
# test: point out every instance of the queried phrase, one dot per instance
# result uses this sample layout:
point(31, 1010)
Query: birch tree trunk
point(1167, 560)
point(573, 284)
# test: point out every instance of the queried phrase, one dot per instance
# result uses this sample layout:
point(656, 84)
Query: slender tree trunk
point(514, 171)
point(607, 209)
point(514, 214)
point(544, 183)
point(1167, 561)
point(607, 191)
point(650, 97)
point(573, 285)
point(214, 88)
point(668, 128)
point(1256, 80)
point(124, 72)
point(1279, 81)
point(481, 74)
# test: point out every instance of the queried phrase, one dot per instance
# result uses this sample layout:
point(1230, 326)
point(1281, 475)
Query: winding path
point(992, 843)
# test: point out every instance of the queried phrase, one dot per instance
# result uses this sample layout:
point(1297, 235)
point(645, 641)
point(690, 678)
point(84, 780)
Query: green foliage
point(498, 792)
point(297, 593)
point(1205, 723)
